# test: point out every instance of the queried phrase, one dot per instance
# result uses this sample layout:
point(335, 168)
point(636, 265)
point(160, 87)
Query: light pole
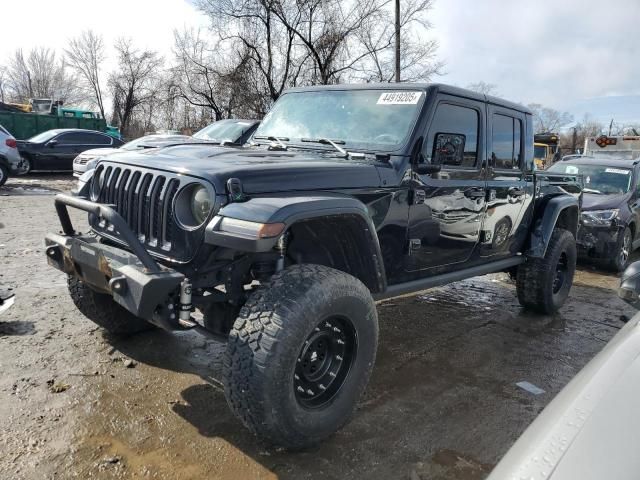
point(398, 41)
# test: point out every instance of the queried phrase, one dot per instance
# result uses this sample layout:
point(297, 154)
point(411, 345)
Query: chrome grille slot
point(141, 224)
point(154, 220)
point(166, 214)
point(131, 197)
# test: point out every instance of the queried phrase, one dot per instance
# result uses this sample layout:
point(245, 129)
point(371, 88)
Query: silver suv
point(10, 161)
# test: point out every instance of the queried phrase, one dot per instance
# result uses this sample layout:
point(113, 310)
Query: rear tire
point(27, 166)
point(4, 175)
point(102, 310)
point(543, 284)
point(300, 355)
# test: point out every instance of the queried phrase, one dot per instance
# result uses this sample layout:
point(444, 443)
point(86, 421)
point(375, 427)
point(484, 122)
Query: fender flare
point(290, 209)
point(544, 225)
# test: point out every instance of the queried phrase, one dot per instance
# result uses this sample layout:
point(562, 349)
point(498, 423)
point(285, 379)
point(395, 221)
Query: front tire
point(543, 284)
point(102, 310)
point(623, 250)
point(300, 355)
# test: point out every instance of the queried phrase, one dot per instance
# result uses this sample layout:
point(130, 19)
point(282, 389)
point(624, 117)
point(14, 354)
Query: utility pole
point(398, 41)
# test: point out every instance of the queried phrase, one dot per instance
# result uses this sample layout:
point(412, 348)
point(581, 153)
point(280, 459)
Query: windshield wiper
point(591, 190)
point(327, 141)
point(335, 144)
point(278, 140)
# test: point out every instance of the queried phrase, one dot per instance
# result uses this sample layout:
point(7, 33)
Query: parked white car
point(87, 160)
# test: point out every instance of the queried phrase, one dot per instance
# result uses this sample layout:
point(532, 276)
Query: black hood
point(595, 201)
point(259, 170)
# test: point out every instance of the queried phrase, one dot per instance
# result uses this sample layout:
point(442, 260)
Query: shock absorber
point(184, 316)
point(281, 246)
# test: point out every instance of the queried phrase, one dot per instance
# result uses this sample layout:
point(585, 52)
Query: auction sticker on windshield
point(618, 170)
point(399, 98)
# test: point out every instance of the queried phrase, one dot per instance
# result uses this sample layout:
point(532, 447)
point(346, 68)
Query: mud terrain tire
point(543, 284)
point(269, 350)
point(102, 310)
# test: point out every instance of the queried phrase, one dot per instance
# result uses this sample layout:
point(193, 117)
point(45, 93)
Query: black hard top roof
point(426, 87)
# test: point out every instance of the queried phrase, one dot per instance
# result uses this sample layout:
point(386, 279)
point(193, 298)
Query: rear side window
point(3, 130)
point(453, 136)
point(506, 142)
point(96, 139)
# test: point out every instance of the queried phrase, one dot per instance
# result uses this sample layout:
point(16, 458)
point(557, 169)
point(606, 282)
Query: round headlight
point(200, 204)
point(97, 182)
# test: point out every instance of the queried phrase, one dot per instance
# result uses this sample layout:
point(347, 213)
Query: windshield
point(539, 151)
point(43, 137)
point(598, 179)
point(222, 130)
point(370, 119)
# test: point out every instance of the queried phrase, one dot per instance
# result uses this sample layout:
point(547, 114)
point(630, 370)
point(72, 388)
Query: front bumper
point(597, 242)
point(133, 279)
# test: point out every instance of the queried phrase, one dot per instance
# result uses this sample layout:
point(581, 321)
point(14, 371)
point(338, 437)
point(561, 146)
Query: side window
point(506, 141)
point(83, 138)
point(453, 136)
point(68, 139)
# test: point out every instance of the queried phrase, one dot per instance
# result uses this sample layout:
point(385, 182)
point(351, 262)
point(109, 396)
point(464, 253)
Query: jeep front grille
point(144, 199)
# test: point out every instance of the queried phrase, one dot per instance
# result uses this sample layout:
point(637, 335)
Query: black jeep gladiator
point(346, 195)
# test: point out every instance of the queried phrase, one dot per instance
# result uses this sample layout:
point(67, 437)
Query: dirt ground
point(442, 403)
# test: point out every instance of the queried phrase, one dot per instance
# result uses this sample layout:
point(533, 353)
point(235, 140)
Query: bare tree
point(484, 88)
point(85, 55)
point(40, 75)
point(134, 82)
point(418, 59)
point(3, 82)
point(254, 32)
point(574, 138)
point(547, 119)
point(329, 31)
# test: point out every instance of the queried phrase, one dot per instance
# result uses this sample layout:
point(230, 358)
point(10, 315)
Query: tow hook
point(184, 316)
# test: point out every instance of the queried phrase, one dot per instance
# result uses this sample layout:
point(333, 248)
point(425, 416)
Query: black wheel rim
point(625, 249)
point(561, 273)
point(324, 362)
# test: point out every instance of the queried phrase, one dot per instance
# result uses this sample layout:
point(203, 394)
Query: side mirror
point(448, 149)
point(629, 289)
point(426, 168)
point(52, 143)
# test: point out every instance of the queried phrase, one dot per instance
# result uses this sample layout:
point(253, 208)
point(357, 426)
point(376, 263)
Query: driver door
point(447, 207)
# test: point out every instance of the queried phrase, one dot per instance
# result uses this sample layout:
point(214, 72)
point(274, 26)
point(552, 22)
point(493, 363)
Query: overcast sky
point(566, 54)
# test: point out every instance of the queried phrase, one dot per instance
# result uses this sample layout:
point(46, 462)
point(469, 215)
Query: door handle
point(475, 193)
point(516, 192)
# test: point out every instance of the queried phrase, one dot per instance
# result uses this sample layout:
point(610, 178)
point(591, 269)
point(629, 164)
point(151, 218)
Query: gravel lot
point(442, 404)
